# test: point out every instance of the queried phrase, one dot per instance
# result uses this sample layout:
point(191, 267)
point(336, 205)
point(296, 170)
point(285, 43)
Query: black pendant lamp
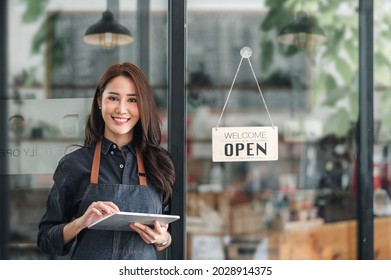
point(303, 31)
point(108, 33)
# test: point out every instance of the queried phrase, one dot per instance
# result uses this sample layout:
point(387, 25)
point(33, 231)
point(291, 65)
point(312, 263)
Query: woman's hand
point(96, 211)
point(158, 235)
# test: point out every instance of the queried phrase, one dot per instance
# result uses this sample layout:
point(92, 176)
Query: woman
point(122, 137)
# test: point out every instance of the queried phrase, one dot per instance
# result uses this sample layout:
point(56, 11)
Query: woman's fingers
point(104, 207)
point(145, 232)
point(151, 235)
point(98, 210)
point(160, 228)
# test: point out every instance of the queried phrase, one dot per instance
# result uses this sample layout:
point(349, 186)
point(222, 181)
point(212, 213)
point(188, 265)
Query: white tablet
point(120, 220)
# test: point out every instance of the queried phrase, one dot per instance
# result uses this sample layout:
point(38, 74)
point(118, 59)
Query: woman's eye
point(113, 98)
point(132, 100)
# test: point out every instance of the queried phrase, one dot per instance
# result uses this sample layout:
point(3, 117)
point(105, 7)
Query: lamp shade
point(107, 32)
point(303, 31)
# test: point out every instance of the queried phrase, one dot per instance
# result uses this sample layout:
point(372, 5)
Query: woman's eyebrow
point(116, 93)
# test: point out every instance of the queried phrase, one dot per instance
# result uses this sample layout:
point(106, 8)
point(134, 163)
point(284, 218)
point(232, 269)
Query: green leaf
point(329, 5)
point(334, 96)
point(352, 50)
point(334, 40)
point(381, 60)
point(343, 69)
point(289, 50)
point(318, 89)
point(267, 48)
point(330, 83)
point(34, 10)
point(352, 94)
point(385, 102)
point(30, 78)
point(337, 124)
point(276, 19)
point(39, 38)
point(278, 4)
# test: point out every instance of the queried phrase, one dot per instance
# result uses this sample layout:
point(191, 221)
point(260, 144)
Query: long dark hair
point(147, 132)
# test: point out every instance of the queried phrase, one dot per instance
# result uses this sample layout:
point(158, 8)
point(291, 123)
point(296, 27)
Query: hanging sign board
point(257, 143)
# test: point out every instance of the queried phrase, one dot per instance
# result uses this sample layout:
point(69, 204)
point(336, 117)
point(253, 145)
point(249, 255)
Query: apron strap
point(142, 177)
point(96, 164)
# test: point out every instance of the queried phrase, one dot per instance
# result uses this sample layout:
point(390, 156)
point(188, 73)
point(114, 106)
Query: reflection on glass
point(52, 77)
point(42, 131)
point(304, 205)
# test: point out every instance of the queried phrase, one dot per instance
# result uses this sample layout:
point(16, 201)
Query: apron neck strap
point(96, 164)
point(142, 177)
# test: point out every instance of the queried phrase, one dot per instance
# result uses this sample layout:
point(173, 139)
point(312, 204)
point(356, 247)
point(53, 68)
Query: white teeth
point(120, 120)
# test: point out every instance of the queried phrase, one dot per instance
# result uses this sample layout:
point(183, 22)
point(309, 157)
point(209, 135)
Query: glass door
point(52, 75)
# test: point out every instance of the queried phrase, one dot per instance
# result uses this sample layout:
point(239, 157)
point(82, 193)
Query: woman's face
point(119, 110)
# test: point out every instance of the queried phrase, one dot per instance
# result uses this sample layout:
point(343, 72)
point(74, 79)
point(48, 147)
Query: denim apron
point(117, 245)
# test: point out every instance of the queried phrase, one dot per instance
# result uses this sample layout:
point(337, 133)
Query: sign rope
point(245, 52)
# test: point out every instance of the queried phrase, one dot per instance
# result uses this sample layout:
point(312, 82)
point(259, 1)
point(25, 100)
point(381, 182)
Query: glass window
point(382, 136)
point(52, 74)
point(302, 206)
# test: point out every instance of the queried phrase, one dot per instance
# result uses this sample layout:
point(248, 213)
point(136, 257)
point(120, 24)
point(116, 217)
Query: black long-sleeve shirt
point(71, 179)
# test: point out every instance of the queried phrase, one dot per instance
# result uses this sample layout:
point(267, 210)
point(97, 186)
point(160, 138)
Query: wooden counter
point(330, 241)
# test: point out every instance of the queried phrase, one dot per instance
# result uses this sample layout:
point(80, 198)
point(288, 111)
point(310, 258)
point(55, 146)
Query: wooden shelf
point(331, 241)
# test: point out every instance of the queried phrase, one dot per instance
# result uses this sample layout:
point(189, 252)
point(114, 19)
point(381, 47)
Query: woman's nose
point(121, 107)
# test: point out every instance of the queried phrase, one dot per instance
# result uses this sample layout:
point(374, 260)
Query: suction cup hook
point(246, 52)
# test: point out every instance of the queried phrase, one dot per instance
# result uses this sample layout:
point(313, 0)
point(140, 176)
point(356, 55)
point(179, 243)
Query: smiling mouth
point(121, 120)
